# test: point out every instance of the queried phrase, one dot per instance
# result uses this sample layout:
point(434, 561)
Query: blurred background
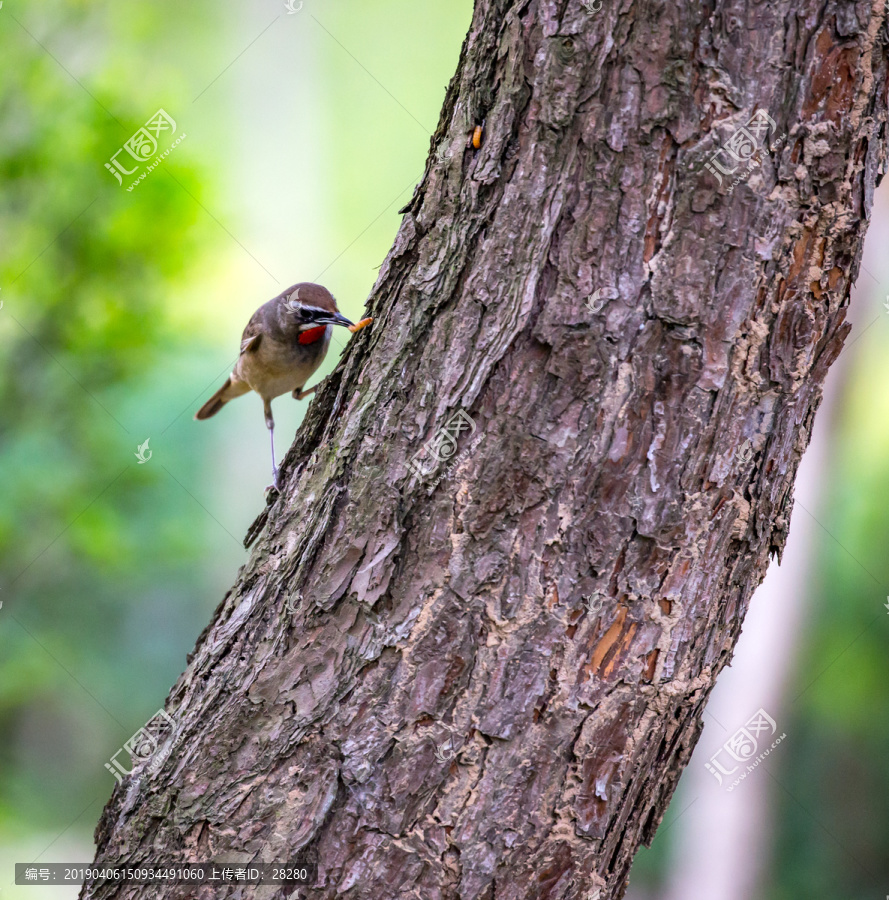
point(301, 132)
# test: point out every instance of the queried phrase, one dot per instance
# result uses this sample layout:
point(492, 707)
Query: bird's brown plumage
point(282, 346)
point(273, 360)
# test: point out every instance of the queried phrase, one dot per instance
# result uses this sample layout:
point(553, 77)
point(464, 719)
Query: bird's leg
point(299, 393)
point(270, 424)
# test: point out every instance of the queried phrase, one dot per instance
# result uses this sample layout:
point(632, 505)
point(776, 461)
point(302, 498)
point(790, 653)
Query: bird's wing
point(251, 337)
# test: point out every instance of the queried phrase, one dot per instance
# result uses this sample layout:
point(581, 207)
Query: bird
point(282, 346)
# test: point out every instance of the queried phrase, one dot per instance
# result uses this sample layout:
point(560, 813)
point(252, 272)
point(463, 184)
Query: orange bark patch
point(608, 640)
point(801, 251)
point(652, 227)
point(554, 598)
point(610, 650)
point(614, 658)
point(833, 84)
point(650, 665)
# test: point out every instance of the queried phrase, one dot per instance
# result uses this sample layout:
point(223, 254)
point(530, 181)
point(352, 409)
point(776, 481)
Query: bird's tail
point(227, 392)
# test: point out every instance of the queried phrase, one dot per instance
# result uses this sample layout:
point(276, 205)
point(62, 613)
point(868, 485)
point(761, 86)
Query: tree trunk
point(484, 682)
point(721, 844)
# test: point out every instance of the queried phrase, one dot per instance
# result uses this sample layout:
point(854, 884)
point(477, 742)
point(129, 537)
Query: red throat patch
point(312, 335)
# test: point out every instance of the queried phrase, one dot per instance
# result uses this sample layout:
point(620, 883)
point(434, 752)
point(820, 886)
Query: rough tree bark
point(405, 683)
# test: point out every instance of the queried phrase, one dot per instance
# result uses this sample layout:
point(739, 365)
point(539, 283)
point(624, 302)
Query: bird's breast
point(279, 367)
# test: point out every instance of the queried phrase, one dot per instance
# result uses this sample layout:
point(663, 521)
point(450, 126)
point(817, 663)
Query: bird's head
point(309, 306)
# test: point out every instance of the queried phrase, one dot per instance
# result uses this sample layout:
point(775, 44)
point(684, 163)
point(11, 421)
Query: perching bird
point(283, 344)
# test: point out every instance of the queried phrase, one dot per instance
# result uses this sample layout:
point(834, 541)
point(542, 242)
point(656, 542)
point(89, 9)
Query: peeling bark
point(405, 684)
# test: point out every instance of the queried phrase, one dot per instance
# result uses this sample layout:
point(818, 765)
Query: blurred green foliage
point(833, 842)
point(97, 561)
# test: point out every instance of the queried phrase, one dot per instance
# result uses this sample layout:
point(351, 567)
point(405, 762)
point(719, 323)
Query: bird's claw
point(276, 482)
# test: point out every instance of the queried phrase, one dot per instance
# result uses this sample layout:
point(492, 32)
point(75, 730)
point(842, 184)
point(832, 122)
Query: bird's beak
point(335, 319)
